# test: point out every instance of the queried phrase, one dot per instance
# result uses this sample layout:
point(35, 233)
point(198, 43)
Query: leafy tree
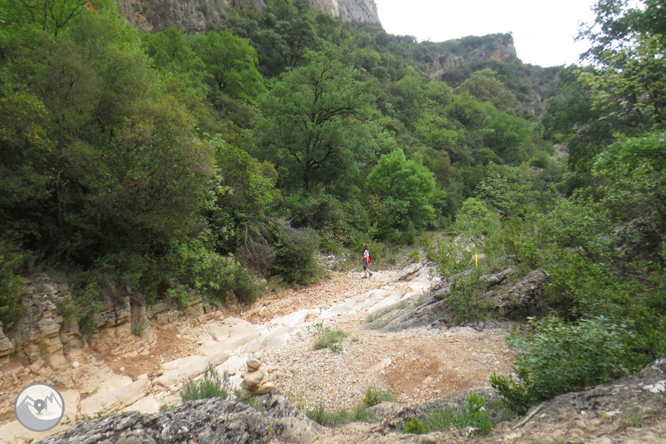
point(401, 192)
point(507, 136)
point(488, 89)
point(242, 194)
point(51, 16)
point(628, 44)
point(311, 120)
point(171, 53)
point(287, 42)
point(231, 63)
point(25, 151)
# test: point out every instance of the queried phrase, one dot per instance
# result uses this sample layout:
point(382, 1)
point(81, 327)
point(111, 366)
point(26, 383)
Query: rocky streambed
point(393, 343)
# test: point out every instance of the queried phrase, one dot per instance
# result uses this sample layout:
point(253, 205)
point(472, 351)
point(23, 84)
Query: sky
point(543, 30)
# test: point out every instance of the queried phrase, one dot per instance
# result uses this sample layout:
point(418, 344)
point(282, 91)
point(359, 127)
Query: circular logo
point(39, 407)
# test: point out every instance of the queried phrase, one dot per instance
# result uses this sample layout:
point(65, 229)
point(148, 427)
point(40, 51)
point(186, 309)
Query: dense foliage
point(164, 165)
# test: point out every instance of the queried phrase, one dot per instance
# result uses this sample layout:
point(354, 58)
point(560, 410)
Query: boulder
point(519, 300)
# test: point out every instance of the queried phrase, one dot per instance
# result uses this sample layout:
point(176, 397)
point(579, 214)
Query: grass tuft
point(327, 338)
point(472, 415)
point(375, 396)
point(210, 386)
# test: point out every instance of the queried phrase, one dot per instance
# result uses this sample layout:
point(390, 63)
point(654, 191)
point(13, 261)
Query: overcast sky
point(543, 30)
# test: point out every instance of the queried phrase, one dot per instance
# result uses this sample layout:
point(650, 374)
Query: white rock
point(104, 401)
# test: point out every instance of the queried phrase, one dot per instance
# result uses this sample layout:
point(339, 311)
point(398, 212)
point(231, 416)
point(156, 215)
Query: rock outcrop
point(629, 410)
point(508, 301)
point(519, 300)
point(203, 421)
point(6, 346)
point(194, 16)
point(494, 46)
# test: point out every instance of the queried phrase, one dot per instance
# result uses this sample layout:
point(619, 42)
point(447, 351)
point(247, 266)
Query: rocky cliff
point(196, 15)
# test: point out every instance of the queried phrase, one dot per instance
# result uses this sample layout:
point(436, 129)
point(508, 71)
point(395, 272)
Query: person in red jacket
point(366, 261)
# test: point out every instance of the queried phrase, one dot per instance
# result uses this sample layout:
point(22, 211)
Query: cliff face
point(447, 58)
point(194, 16)
point(349, 10)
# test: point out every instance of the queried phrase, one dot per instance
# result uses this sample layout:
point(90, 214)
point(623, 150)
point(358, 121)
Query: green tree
point(312, 118)
point(51, 16)
point(401, 193)
point(507, 136)
point(171, 53)
point(628, 44)
point(25, 155)
point(487, 89)
point(231, 63)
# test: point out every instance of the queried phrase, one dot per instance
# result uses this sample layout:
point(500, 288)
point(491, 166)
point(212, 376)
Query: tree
point(629, 46)
point(25, 152)
point(231, 63)
point(51, 16)
point(487, 89)
point(171, 53)
point(401, 192)
point(312, 118)
point(507, 136)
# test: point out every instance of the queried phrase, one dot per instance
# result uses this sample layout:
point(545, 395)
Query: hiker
point(366, 261)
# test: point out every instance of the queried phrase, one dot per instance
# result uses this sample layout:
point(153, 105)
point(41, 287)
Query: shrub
point(294, 258)
point(210, 386)
point(374, 396)
point(560, 357)
point(463, 298)
point(244, 287)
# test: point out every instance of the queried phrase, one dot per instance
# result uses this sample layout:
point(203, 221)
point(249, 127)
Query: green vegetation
point(179, 166)
point(462, 298)
point(375, 396)
point(11, 287)
point(473, 414)
point(340, 417)
point(560, 357)
point(211, 385)
point(327, 338)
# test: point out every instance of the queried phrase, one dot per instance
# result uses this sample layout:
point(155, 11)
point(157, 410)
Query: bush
point(244, 287)
point(294, 258)
point(560, 357)
point(210, 386)
point(463, 300)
